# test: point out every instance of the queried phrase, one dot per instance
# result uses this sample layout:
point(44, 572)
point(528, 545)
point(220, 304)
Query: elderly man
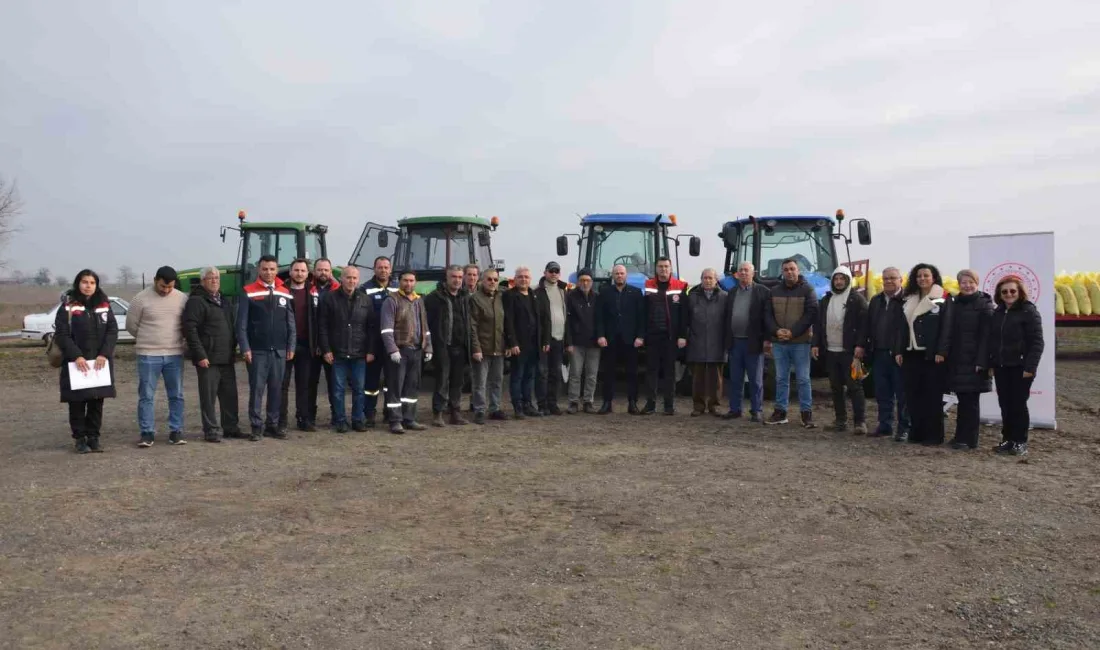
point(791, 314)
point(704, 329)
point(664, 297)
point(746, 341)
point(407, 339)
point(580, 343)
point(620, 326)
point(155, 321)
point(527, 332)
point(449, 321)
point(208, 326)
point(487, 318)
point(346, 332)
point(882, 322)
point(266, 334)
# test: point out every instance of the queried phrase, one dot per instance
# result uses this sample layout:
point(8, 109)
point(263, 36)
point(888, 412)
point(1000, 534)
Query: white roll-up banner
point(1029, 256)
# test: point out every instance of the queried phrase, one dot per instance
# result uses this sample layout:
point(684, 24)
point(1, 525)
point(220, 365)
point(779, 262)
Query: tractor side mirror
point(483, 239)
point(383, 239)
point(729, 236)
point(863, 232)
point(694, 246)
point(563, 246)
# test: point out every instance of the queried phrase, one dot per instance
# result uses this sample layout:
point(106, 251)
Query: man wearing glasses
point(551, 297)
point(487, 347)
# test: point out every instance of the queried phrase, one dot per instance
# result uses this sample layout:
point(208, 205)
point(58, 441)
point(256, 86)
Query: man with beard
point(378, 288)
point(620, 326)
point(321, 284)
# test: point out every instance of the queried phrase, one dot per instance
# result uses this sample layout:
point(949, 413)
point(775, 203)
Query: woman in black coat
point(86, 332)
point(967, 373)
point(1015, 348)
point(921, 348)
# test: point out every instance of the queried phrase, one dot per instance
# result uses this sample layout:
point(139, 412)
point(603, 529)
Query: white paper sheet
point(94, 378)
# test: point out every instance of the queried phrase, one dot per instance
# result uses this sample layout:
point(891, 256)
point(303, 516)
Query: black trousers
point(86, 418)
point(968, 423)
point(549, 381)
point(372, 386)
point(840, 378)
point(218, 402)
point(1013, 391)
point(924, 381)
point(317, 366)
point(660, 367)
point(300, 366)
point(449, 372)
point(619, 354)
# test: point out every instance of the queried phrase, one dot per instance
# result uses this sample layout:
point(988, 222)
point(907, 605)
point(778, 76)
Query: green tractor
point(287, 241)
point(428, 245)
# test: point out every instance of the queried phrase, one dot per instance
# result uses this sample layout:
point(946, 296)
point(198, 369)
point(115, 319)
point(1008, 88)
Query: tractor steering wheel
point(633, 260)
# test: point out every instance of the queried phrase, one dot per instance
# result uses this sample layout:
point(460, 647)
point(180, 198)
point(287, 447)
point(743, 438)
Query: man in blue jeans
point(526, 333)
point(791, 313)
point(746, 340)
point(882, 322)
point(267, 337)
point(346, 332)
point(155, 320)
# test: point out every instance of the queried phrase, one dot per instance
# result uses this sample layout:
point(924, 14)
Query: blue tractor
point(636, 241)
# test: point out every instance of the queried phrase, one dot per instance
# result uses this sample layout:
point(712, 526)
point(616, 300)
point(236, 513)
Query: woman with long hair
point(86, 332)
point(923, 342)
point(967, 370)
point(1015, 348)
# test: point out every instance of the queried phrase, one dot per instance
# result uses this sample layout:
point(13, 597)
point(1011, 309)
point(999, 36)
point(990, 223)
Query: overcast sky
point(135, 129)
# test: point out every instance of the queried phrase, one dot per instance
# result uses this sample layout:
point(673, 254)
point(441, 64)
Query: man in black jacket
point(884, 315)
point(347, 329)
point(299, 285)
point(320, 285)
point(209, 322)
point(664, 299)
point(746, 340)
point(449, 322)
point(840, 334)
point(620, 328)
point(551, 298)
point(580, 343)
point(526, 332)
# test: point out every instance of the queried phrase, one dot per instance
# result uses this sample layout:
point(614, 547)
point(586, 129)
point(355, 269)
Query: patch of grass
point(872, 605)
point(847, 625)
point(1050, 604)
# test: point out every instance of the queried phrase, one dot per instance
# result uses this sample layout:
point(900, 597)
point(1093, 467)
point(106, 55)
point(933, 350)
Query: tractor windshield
point(809, 244)
point(631, 246)
point(433, 248)
point(283, 244)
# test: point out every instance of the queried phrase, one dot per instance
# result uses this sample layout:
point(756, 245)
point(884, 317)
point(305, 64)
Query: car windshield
point(630, 246)
point(807, 243)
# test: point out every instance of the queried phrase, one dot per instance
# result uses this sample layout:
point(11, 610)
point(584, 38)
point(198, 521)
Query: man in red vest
point(664, 297)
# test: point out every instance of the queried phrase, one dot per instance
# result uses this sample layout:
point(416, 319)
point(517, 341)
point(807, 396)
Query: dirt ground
point(569, 532)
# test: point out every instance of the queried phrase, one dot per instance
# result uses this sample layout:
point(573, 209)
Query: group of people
point(375, 337)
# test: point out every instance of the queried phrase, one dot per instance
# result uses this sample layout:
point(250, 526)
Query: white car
point(39, 327)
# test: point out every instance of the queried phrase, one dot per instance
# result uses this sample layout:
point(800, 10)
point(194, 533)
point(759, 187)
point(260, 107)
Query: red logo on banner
point(1022, 271)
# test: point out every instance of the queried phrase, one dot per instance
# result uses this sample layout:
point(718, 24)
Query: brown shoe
point(457, 419)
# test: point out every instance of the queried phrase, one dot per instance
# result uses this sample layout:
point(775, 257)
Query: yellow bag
point(1084, 305)
point(859, 373)
point(1069, 299)
point(1059, 304)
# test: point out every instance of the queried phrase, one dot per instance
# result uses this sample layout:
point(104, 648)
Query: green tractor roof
point(194, 273)
point(427, 221)
point(277, 225)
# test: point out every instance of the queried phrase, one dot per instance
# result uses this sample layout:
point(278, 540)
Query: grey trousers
point(488, 377)
point(403, 386)
point(584, 364)
point(265, 377)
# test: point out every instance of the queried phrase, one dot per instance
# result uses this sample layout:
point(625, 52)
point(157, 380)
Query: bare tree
point(42, 277)
point(125, 276)
point(10, 207)
point(19, 277)
point(60, 280)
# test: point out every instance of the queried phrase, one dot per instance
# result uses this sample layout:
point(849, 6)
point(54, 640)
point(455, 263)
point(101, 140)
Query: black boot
point(93, 444)
point(632, 407)
point(650, 407)
point(605, 408)
point(81, 445)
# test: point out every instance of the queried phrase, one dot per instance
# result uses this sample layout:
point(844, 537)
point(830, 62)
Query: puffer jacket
point(1016, 337)
point(209, 328)
point(86, 328)
point(487, 323)
point(969, 339)
point(704, 325)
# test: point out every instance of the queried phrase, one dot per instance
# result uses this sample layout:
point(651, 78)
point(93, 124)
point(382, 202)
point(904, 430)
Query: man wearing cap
point(580, 343)
point(155, 320)
point(551, 298)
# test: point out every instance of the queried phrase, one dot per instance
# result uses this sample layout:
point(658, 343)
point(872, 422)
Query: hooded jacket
point(209, 328)
point(851, 308)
